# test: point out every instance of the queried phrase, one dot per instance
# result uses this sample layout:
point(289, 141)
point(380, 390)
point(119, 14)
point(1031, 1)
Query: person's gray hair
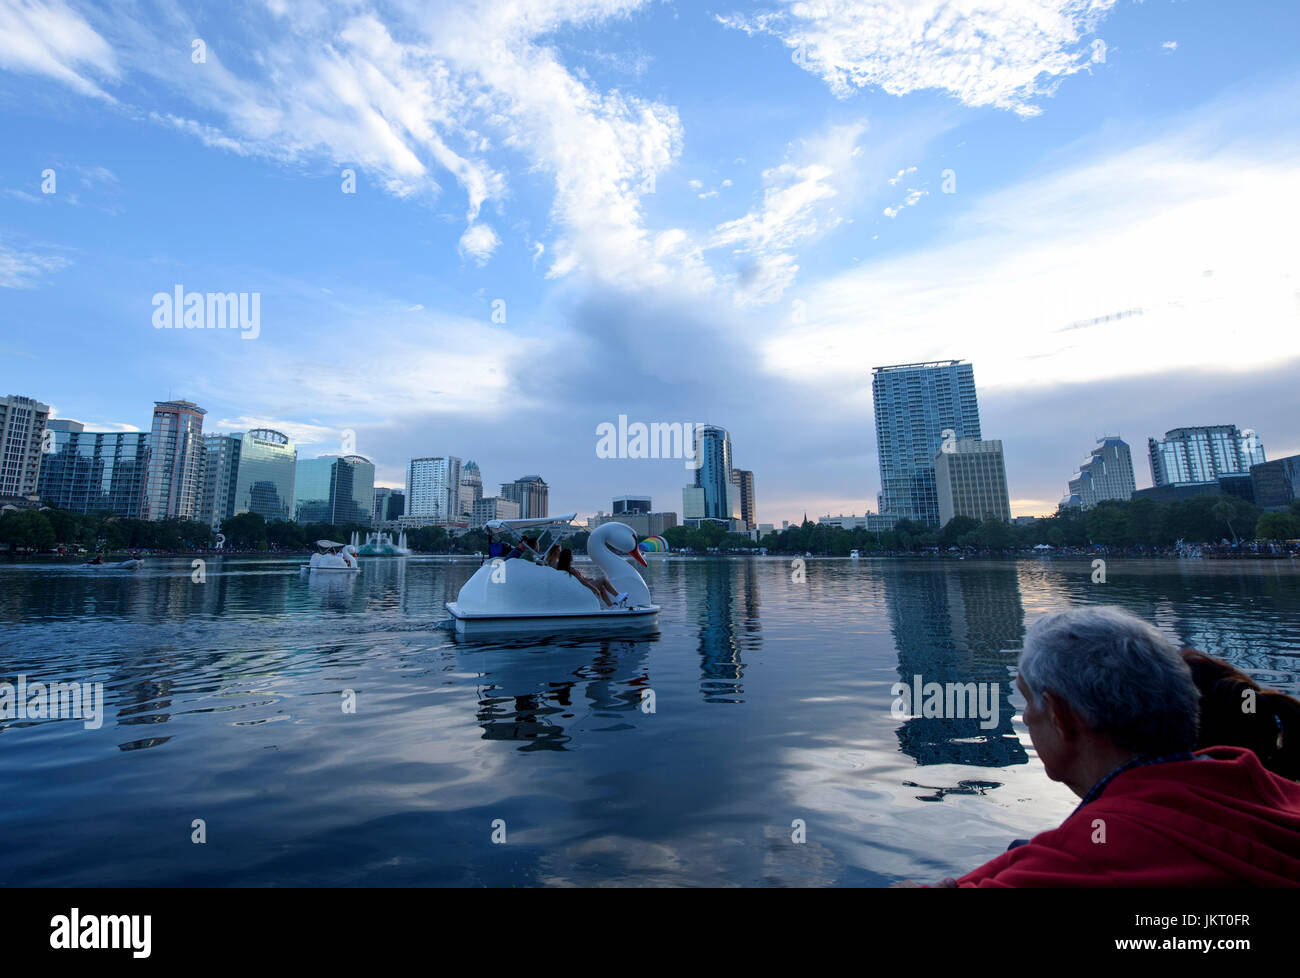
point(1125, 679)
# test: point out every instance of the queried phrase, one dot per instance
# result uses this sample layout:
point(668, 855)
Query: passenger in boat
point(600, 588)
point(553, 556)
point(1238, 712)
point(1112, 710)
point(527, 549)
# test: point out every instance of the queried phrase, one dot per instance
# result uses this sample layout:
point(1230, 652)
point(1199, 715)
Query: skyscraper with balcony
point(94, 471)
point(433, 489)
point(1108, 474)
point(471, 487)
point(531, 493)
point(918, 407)
point(22, 432)
point(1205, 454)
point(267, 468)
point(174, 486)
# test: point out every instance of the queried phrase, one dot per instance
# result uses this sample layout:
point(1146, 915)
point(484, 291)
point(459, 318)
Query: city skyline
point(715, 215)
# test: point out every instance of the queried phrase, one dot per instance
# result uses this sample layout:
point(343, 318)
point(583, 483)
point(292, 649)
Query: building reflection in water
point(728, 627)
point(955, 627)
point(524, 699)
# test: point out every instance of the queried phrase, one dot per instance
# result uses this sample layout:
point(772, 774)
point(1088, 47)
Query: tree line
point(1142, 524)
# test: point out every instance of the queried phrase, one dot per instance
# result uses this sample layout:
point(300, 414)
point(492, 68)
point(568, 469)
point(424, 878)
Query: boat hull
point(640, 619)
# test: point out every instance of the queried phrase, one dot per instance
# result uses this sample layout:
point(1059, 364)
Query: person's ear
point(1059, 714)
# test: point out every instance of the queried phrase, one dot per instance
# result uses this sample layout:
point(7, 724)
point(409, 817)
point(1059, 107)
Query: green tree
point(1277, 526)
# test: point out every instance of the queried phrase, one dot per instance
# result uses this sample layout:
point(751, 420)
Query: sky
point(485, 229)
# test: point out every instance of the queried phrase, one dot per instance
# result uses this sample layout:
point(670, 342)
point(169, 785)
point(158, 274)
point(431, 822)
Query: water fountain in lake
point(381, 544)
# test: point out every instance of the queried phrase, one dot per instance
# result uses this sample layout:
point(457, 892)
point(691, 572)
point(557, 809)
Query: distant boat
point(854, 555)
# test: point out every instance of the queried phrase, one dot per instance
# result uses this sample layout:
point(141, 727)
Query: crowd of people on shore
point(1185, 767)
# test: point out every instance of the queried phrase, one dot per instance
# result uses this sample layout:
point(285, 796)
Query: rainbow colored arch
point(654, 545)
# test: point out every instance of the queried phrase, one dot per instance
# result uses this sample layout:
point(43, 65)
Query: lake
point(334, 732)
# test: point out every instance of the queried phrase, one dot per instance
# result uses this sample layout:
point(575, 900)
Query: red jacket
point(1222, 822)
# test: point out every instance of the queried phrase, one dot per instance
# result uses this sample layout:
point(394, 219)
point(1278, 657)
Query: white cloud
point(912, 198)
point(48, 38)
point(24, 270)
point(1003, 53)
point(794, 209)
point(479, 242)
point(1099, 271)
point(1170, 45)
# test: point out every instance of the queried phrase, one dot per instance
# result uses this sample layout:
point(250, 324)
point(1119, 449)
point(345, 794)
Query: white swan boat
point(515, 595)
point(334, 557)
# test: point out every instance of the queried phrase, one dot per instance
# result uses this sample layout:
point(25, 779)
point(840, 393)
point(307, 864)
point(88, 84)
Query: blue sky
point(716, 213)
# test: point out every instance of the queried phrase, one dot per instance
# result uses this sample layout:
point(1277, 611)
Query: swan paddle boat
point(518, 594)
point(334, 557)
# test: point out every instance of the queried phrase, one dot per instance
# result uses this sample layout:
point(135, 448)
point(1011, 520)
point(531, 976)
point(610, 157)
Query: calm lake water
point(224, 702)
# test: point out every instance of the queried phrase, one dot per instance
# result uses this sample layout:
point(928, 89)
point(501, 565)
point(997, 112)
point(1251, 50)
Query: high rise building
point(338, 489)
point(713, 472)
point(267, 467)
point(433, 489)
point(1205, 454)
point(531, 493)
point(1108, 474)
point(174, 487)
point(692, 503)
point(94, 471)
point(626, 505)
point(22, 433)
point(919, 407)
point(743, 481)
point(642, 524)
point(1276, 483)
point(471, 487)
point(390, 505)
point(971, 480)
point(493, 508)
point(220, 478)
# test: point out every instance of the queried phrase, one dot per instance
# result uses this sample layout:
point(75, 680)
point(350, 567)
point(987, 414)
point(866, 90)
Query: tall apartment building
point(174, 486)
point(1108, 474)
point(267, 471)
point(531, 493)
point(220, 478)
point(743, 481)
point(433, 489)
point(971, 480)
point(22, 433)
point(915, 404)
point(1204, 454)
point(471, 487)
point(94, 471)
point(626, 505)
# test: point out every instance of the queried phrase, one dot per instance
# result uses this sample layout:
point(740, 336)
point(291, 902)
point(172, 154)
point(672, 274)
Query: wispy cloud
point(1004, 53)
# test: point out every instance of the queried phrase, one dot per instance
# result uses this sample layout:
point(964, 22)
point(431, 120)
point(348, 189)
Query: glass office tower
point(334, 489)
point(713, 472)
point(94, 471)
point(915, 403)
point(266, 473)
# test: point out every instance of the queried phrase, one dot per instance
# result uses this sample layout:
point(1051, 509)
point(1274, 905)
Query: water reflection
point(954, 627)
point(522, 698)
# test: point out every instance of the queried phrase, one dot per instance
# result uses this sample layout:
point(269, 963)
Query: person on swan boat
point(601, 588)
